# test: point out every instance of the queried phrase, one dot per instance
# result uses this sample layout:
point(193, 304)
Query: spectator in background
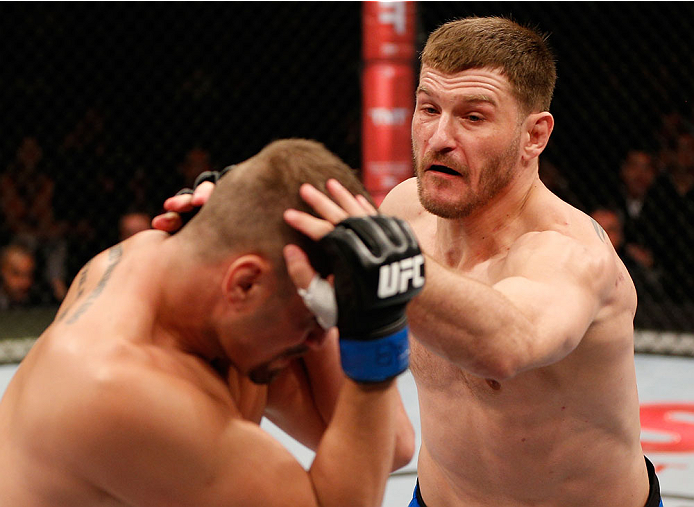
point(133, 222)
point(87, 136)
point(666, 221)
point(649, 312)
point(18, 287)
point(637, 174)
point(84, 163)
point(26, 202)
point(93, 170)
point(26, 192)
point(672, 124)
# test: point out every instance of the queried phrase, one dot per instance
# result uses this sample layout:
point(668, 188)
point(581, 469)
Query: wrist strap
point(320, 299)
point(375, 360)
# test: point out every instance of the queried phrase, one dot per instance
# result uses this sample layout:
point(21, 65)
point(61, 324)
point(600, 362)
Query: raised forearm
point(469, 323)
point(404, 438)
point(325, 378)
point(354, 457)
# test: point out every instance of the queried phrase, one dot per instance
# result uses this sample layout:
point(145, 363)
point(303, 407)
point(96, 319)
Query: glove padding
point(378, 268)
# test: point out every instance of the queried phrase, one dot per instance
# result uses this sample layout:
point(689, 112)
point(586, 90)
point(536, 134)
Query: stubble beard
point(494, 177)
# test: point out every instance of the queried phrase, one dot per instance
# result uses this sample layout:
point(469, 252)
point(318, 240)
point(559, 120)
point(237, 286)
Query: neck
point(491, 229)
point(188, 304)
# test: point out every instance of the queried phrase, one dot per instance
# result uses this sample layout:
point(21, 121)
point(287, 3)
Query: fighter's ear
point(247, 280)
point(537, 128)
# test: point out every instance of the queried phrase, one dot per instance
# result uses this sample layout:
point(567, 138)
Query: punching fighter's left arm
point(550, 293)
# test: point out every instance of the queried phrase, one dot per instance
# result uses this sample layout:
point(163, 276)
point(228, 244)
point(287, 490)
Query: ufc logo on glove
point(378, 268)
point(394, 278)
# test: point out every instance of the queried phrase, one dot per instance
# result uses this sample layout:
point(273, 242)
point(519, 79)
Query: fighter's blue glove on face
point(378, 269)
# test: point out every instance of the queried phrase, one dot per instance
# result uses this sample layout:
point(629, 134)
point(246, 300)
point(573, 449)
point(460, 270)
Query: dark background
point(233, 76)
point(148, 82)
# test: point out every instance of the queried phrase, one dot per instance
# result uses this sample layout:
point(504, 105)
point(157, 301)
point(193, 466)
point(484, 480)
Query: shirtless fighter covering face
point(142, 393)
point(522, 340)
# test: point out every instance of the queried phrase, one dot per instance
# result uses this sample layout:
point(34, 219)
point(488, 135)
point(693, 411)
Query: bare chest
point(485, 268)
point(435, 373)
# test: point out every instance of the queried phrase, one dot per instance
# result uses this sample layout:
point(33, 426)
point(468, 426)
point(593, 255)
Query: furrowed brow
point(422, 89)
point(474, 98)
point(477, 98)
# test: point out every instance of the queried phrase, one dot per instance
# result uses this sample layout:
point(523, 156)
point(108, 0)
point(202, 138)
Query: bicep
point(253, 469)
point(559, 313)
point(559, 285)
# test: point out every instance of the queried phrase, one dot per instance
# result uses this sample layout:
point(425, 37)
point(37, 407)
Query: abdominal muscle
point(535, 440)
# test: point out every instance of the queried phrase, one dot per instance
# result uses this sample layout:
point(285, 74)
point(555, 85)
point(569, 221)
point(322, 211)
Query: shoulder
point(97, 270)
point(149, 425)
point(134, 419)
point(403, 201)
point(123, 384)
point(109, 394)
point(581, 254)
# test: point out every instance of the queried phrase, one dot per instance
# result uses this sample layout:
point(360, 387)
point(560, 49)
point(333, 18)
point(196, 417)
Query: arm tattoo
point(83, 279)
point(598, 230)
point(80, 288)
point(114, 257)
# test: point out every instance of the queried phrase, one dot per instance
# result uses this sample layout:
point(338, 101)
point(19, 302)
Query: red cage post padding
point(388, 94)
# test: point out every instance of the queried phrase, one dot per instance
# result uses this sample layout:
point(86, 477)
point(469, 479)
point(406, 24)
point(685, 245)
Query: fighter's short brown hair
point(245, 211)
point(520, 53)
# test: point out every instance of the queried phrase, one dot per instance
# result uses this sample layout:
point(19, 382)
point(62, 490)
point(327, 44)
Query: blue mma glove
point(378, 269)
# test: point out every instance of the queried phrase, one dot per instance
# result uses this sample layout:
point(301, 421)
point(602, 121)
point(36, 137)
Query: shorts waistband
point(654, 499)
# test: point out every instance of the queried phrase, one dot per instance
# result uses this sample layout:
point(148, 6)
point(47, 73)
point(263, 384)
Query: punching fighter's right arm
point(303, 398)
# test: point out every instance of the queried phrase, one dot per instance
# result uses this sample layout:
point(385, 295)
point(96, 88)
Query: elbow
point(511, 351)
point(502, 363)
point(404, 445)
point(501, 369)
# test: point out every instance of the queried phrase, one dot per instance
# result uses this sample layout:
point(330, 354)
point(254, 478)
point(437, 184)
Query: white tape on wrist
point(320, 299)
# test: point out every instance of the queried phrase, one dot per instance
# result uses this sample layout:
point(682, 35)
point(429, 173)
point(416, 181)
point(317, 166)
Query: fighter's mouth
point(443, 169)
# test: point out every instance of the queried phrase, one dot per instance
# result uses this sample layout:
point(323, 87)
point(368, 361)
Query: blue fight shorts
point(417, 497)
point(653, 500)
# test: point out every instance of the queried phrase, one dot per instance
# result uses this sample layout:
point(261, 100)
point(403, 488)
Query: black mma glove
point(212, 176)
point(378, 269)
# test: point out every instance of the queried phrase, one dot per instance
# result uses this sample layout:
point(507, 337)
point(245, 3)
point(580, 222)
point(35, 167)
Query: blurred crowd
point(60, 207)
point(648, 218)
point(60, 210)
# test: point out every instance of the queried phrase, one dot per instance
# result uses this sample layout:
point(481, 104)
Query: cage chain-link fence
point(108, 108)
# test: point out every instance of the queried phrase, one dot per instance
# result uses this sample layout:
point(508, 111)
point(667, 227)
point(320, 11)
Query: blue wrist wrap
point(375, 360)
